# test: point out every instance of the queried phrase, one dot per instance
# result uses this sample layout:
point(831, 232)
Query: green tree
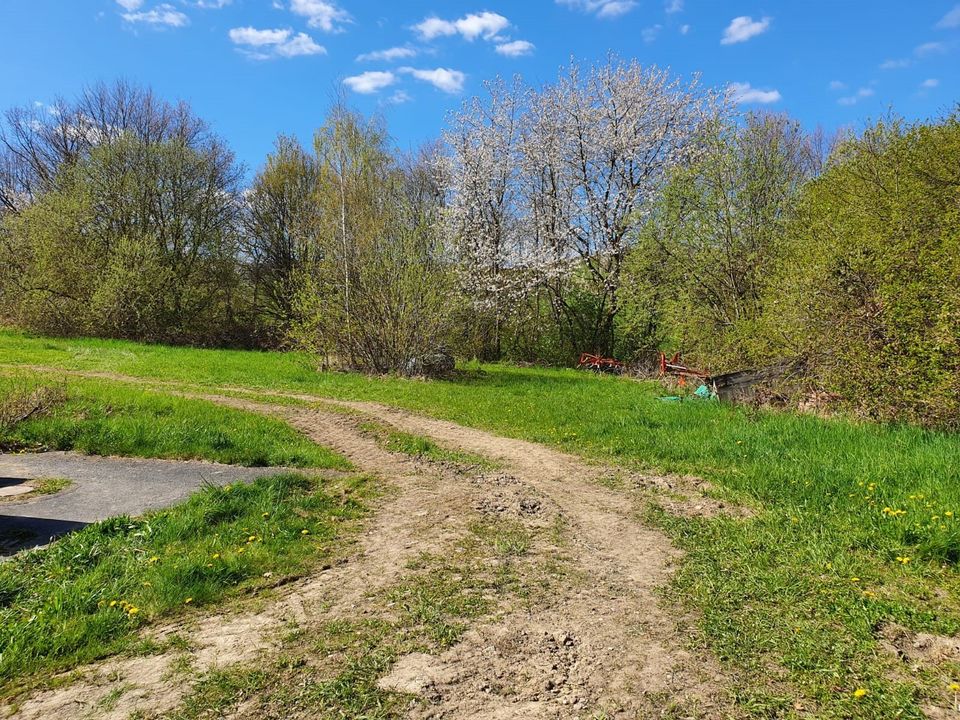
point(375, 293)
point(869, 292)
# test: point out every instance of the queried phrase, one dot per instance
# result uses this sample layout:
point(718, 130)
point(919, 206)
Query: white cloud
point(320, 14)
point(743, 28)
point(256, 38)
point(515, 48)
point(602, 8)
point(744, 93)
point(449, 81)
point(684, 29)
point(838, 85)
point(484, 24)
point(163, 14)
point(862, 93)
point(929, 48)
point(895, 64)
point(212, 4)
point(930, 83)
point(279, 42)
point(399, 97)
point(388, 55)
point(298, 45)
point(673, 6)
point(650, 34)
point(370, 82)
point(130, 5)
point(951, 19)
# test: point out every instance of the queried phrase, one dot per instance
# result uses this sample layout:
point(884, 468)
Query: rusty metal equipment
point(674, 366)
point(600, 364)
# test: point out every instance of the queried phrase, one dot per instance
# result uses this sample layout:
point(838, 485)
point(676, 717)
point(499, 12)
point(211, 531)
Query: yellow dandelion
point(133, 610)
point(855, 579)
point(868, 593)
point(241, 550)
point(948, 513)
point(113, 603)
point(216, 555)
point(859, 692)
point(147, 583)
point(188, 601)
point(955, 687)
point(251, 538)
point(304, 532)
point(154, 559)
point(903, 560)
point(265, 515)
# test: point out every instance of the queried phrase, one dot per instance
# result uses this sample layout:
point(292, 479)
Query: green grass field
point(104, 418)
point(855, 524)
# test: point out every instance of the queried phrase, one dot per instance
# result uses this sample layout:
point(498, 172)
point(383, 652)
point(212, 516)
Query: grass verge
point(99, 417)
point(85, 596)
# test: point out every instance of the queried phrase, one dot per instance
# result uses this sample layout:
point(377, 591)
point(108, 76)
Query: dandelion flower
point(948, 513)
point(154, 559)
point(188, 601)
point(955, 687)
point(304, 532)
point(133, 610)
point(855, 579)
point(903, 560)
point(859, 692)
point(216, 555)
point(265, 515)
point(113, 603)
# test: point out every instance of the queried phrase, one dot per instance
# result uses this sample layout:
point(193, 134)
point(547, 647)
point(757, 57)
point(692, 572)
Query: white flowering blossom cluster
point(540, 182)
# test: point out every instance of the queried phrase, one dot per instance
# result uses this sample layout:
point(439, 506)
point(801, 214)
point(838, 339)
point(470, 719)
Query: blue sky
point(254, 68)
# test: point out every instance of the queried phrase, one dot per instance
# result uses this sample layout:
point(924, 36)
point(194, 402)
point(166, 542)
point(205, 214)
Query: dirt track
point(606, 644)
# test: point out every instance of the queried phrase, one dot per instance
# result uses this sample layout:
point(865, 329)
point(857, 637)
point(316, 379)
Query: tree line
point(618, 210)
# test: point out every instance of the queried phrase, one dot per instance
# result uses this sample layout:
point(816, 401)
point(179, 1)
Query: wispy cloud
point(211, 4)
point(267, 44)
point(930, 83)
point(445, 79)
point(649, 34)
point(388, 55)
point(601, 8)
point(370, 82)
point(861, 94)
point(896, 64)
point(485, 24)
point(398, 98)
point(321, 14)
point(836, 85)
point(929, 48)
point(742, 93)
point(951, 19)
point(673, 6)
point(163, 15)
point(743, 28)
point(130, 5)
point(515, 48)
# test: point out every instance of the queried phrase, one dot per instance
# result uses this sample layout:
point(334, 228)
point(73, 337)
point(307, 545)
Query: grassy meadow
point(855, 525)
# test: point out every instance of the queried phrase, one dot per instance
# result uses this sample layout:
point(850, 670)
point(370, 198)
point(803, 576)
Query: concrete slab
point(102, 487)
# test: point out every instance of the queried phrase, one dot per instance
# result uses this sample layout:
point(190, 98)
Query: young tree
point(280, 215)
point(374, 294)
